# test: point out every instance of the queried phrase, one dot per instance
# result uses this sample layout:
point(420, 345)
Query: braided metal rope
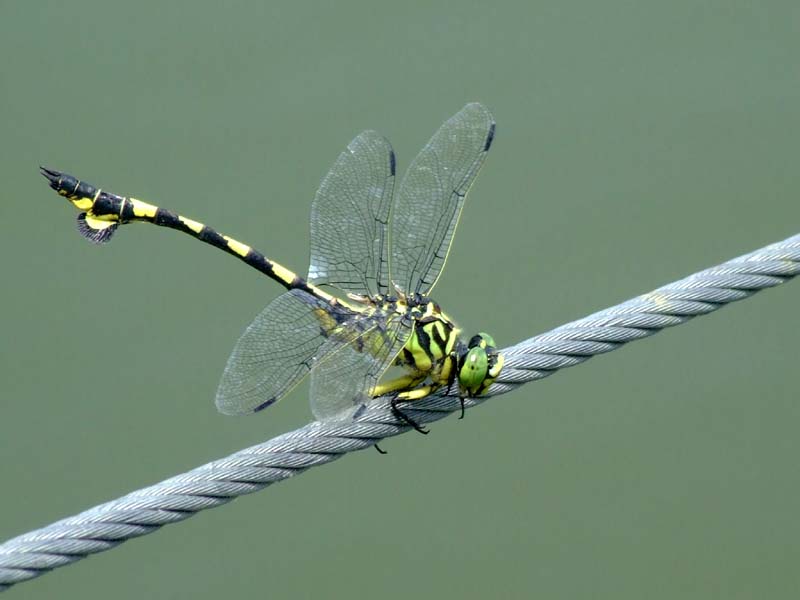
point(252, 469)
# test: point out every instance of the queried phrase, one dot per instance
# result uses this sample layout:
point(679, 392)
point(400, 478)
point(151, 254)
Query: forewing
point(431, 196)
point(343, 381)
point(349, 236)
point(277, 350)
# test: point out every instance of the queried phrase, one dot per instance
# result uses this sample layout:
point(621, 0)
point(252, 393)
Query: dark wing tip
point(392, 163)
point(489, 137)
point(478, 108)
point(264, 405)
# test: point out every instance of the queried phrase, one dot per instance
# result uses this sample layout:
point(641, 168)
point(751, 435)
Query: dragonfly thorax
point(436, 352)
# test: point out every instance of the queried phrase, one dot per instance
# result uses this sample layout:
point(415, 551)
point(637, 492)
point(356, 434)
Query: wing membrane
point(278, 350)
point(343, 382)
point(349, 236)
point(431, 196)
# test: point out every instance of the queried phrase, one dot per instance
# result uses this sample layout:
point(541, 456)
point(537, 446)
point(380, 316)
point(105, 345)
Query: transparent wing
point(278, 349)
point(343, 382)
point(349, 236)
point(431, 196)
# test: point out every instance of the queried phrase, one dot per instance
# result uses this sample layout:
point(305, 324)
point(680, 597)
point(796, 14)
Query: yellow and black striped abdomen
point(103, 212)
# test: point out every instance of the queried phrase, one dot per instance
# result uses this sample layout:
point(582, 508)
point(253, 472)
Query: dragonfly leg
point(406, 382)
point(418, 393)
point(401, 416)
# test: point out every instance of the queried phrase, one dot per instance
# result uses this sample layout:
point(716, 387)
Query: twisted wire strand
point(252, 469)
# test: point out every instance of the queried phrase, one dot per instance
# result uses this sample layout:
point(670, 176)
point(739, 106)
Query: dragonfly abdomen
point(104, 211)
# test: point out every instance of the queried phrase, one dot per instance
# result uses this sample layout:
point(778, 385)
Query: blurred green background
point(637, 142)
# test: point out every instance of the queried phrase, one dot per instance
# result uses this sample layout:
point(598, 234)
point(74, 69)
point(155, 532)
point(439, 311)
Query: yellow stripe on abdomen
point(82, 203)
point(238, 247)
point(143, 209)
point(102, 222)
point(283, 273)
point(193, 225)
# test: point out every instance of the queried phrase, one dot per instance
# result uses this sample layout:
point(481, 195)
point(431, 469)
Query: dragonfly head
point(480, 365)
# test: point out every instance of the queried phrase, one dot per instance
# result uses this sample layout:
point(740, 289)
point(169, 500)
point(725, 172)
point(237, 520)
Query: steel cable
point(252, 469)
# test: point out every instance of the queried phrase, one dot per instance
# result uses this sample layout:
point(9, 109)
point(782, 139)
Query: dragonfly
point(382, 252)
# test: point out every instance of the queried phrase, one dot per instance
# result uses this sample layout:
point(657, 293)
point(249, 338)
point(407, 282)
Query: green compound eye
point(483, 340)
point(473, 370)
point(480, 365)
